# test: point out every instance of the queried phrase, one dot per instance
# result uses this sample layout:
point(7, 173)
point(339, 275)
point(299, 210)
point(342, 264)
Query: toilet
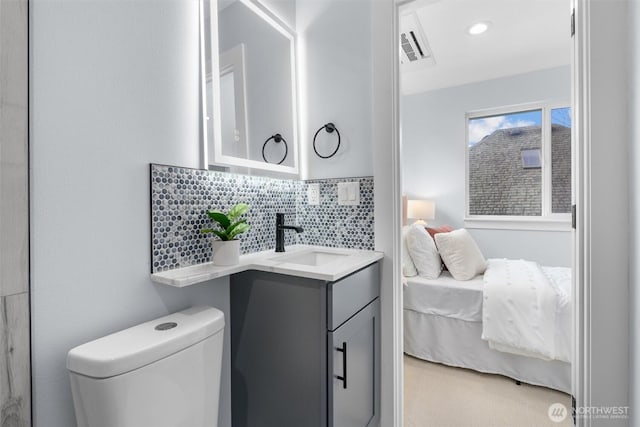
point(163, 373)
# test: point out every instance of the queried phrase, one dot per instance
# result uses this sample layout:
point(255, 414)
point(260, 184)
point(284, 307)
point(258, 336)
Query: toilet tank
point(163, 373)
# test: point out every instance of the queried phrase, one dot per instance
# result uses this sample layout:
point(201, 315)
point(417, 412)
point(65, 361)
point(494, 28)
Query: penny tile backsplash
point(181, 196)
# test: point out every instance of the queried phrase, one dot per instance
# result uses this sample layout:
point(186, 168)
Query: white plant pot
point(226, 252)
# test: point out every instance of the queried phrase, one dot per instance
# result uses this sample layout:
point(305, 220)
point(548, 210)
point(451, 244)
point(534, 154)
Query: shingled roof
point(500, 185)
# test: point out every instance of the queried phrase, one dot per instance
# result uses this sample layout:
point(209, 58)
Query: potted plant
point(226, 251)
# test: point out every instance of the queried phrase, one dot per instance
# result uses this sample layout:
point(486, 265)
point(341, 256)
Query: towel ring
point(277, 138)
point(329, 127)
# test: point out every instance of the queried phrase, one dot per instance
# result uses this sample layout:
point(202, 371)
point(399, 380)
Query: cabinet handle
point(343, 378)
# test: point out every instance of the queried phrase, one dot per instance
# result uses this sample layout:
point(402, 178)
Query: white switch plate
point(349, 193)
point(313, 194)
point(343, 193)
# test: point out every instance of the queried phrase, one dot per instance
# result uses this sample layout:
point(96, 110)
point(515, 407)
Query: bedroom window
point(519, 166)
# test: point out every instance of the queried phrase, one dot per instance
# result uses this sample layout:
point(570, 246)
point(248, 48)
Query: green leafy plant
point(230, 224)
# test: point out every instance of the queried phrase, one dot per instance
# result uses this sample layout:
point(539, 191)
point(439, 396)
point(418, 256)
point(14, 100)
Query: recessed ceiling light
point(478, 28)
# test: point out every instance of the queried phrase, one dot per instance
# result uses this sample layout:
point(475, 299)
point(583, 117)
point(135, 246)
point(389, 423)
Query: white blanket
point(522, 309)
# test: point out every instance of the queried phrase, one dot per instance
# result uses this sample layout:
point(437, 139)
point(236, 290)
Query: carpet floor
point(436, 395)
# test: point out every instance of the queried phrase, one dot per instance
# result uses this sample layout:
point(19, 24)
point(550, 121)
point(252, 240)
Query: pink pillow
point(437, 230)
point(443, 229)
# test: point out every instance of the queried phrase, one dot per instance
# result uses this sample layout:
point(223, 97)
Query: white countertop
point(275, 262)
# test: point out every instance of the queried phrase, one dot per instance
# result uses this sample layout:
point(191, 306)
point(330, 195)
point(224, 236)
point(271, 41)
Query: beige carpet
point(441, 396)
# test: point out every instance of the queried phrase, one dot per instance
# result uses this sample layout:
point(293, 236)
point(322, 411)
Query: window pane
point(561, 160)
point(500, 183)
point(531, 158)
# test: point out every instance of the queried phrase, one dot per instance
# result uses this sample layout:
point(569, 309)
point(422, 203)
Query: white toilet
point(163, 373)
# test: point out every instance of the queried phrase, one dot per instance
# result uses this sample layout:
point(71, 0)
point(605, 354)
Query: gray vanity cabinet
point(305, 352)
point(352, 369)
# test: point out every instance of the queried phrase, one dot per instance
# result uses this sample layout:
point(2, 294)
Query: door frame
point(581, 280)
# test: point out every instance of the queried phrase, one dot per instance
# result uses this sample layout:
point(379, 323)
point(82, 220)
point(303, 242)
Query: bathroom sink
point(313, 258)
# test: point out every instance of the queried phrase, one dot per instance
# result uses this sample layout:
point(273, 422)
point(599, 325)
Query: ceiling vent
point(415, 52)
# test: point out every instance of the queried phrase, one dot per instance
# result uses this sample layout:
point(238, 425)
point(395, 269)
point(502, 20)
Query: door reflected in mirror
point(233, 111)
point(249, 88)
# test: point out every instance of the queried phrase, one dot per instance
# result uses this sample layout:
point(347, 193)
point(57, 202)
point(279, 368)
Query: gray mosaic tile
point(330, 224)
point(180, 198)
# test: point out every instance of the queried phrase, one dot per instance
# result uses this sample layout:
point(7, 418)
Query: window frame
point(548, 221)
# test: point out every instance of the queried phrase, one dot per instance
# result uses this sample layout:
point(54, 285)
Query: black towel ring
point(277, 138)
point(329, 127)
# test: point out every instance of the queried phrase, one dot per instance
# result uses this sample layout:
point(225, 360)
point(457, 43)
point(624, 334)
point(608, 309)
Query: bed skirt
point(457, 343)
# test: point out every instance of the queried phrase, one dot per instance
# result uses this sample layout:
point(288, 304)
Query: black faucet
point(280, 227)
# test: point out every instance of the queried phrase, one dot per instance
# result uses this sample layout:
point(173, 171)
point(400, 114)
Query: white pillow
point(423, 252)
point(460, 254)
point(408, 267)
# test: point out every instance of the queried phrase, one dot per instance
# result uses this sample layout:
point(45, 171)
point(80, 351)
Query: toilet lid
point(143, 344)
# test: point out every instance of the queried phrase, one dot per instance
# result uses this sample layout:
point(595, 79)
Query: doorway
point(501, 86)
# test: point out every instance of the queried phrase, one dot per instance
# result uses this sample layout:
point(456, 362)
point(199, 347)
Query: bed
point(443, 323)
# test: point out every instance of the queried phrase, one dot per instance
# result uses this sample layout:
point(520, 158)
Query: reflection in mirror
point(233, 112)
point(254, 87)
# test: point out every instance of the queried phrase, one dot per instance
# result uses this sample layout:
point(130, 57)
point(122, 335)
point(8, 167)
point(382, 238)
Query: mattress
point(457, 343)
point(445, 296)
point(462, 300)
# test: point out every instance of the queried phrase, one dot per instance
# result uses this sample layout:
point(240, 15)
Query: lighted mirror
point(249, 98)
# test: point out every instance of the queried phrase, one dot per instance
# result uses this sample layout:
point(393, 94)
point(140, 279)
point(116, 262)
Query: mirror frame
point(214, 138)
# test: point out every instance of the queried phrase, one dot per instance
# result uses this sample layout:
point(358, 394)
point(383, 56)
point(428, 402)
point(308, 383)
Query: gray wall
point(15, 393)
point(285, 10)
point(433, 156)
point(634, 200)
point(335, 54)
point(608, 188)
point(114, 86)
